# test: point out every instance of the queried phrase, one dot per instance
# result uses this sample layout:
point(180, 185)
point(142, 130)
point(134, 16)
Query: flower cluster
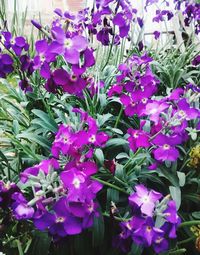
point(17, 47)
point(136, 84)
point(166, 118)
point(12, 198)
point(112, 21)
point(59, 193)
point(66, 42)
point(153, 223)
point(64, 201)
point(169, 118)
point(192, 14)
point(189, 9)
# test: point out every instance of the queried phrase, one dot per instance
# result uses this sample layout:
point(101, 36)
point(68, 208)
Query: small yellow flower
point(196, 231)
point(195, 157)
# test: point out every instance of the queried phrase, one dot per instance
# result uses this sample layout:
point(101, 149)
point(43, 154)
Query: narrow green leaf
point(176, 195)
point(52, 125)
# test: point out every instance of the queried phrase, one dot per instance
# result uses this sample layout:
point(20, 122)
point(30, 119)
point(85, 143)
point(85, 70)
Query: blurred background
point(20, 13)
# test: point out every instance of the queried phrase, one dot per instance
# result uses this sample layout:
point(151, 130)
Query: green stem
point(189, 223)
point(115, 217)
point(109, 54)
point(110, 185)
point(187, 240)
point(120, 181)
point(119, 117)
point(19, 246)
point(130, 159)
point(177, 252)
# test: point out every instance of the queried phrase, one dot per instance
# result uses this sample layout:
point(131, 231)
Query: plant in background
point(99, 140)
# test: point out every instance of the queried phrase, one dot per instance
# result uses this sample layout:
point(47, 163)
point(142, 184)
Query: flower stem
point(187, 240)
point(189, 223)
point(119, 117)
point(110, 185)
point(115, 217)
point(177, 252)
point(160, 131)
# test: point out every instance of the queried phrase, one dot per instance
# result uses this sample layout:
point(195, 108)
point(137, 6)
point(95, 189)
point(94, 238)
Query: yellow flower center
point(148, 228)
point(182, 114)
point(68, 43)
point(166, 146)
point(76, 183)
point(60, 220)
point(92, 139)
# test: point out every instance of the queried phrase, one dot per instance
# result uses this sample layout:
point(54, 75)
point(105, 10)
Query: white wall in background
point(46, 7)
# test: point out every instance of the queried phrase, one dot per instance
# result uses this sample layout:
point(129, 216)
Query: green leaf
point(136, 250)
point(119, 171)
point(50, 123)
point(176, 195)
point(36, 138)
point(114, 142)
point(3, 157)
point(103, 118)
point(182, 178)
point(19, 246)
point(15, 127)
point(196, 215)
point(99, 156)
point(40, 244)
point(169, 176)
point(122, 155)
point(98, 231)
point(112, 195)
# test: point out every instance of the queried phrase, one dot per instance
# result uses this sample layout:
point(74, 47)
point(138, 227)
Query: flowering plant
point(99, 140)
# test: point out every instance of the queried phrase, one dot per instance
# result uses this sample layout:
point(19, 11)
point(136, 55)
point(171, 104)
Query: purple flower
point(80, 187)
point(45, 166)
point(186, 112)
point(166, 149)
point(138, 139)
point(17, 44)
point(145, 199)
point(73, 179)
point(64, 141)
point(21, 209)
point(160, 15)
point(25, 86)
point(59, 223)
point(156, 35)
point(171, 212)
point(123, 20)
point(147, 233)
point(171, 228)
point(6, 192)
point(103, 36)
point(89, 61)
point(44, 57)
point(193, 87)
point(70, 47)
point(131, 107)
point(27, 64)
point(176, 94)
point(36, 24)
point(196, 61)
point(160, 244)
point(6, 65)
point(115, 89)
point(140, 22)
point(71, 84)
point(154, 109)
